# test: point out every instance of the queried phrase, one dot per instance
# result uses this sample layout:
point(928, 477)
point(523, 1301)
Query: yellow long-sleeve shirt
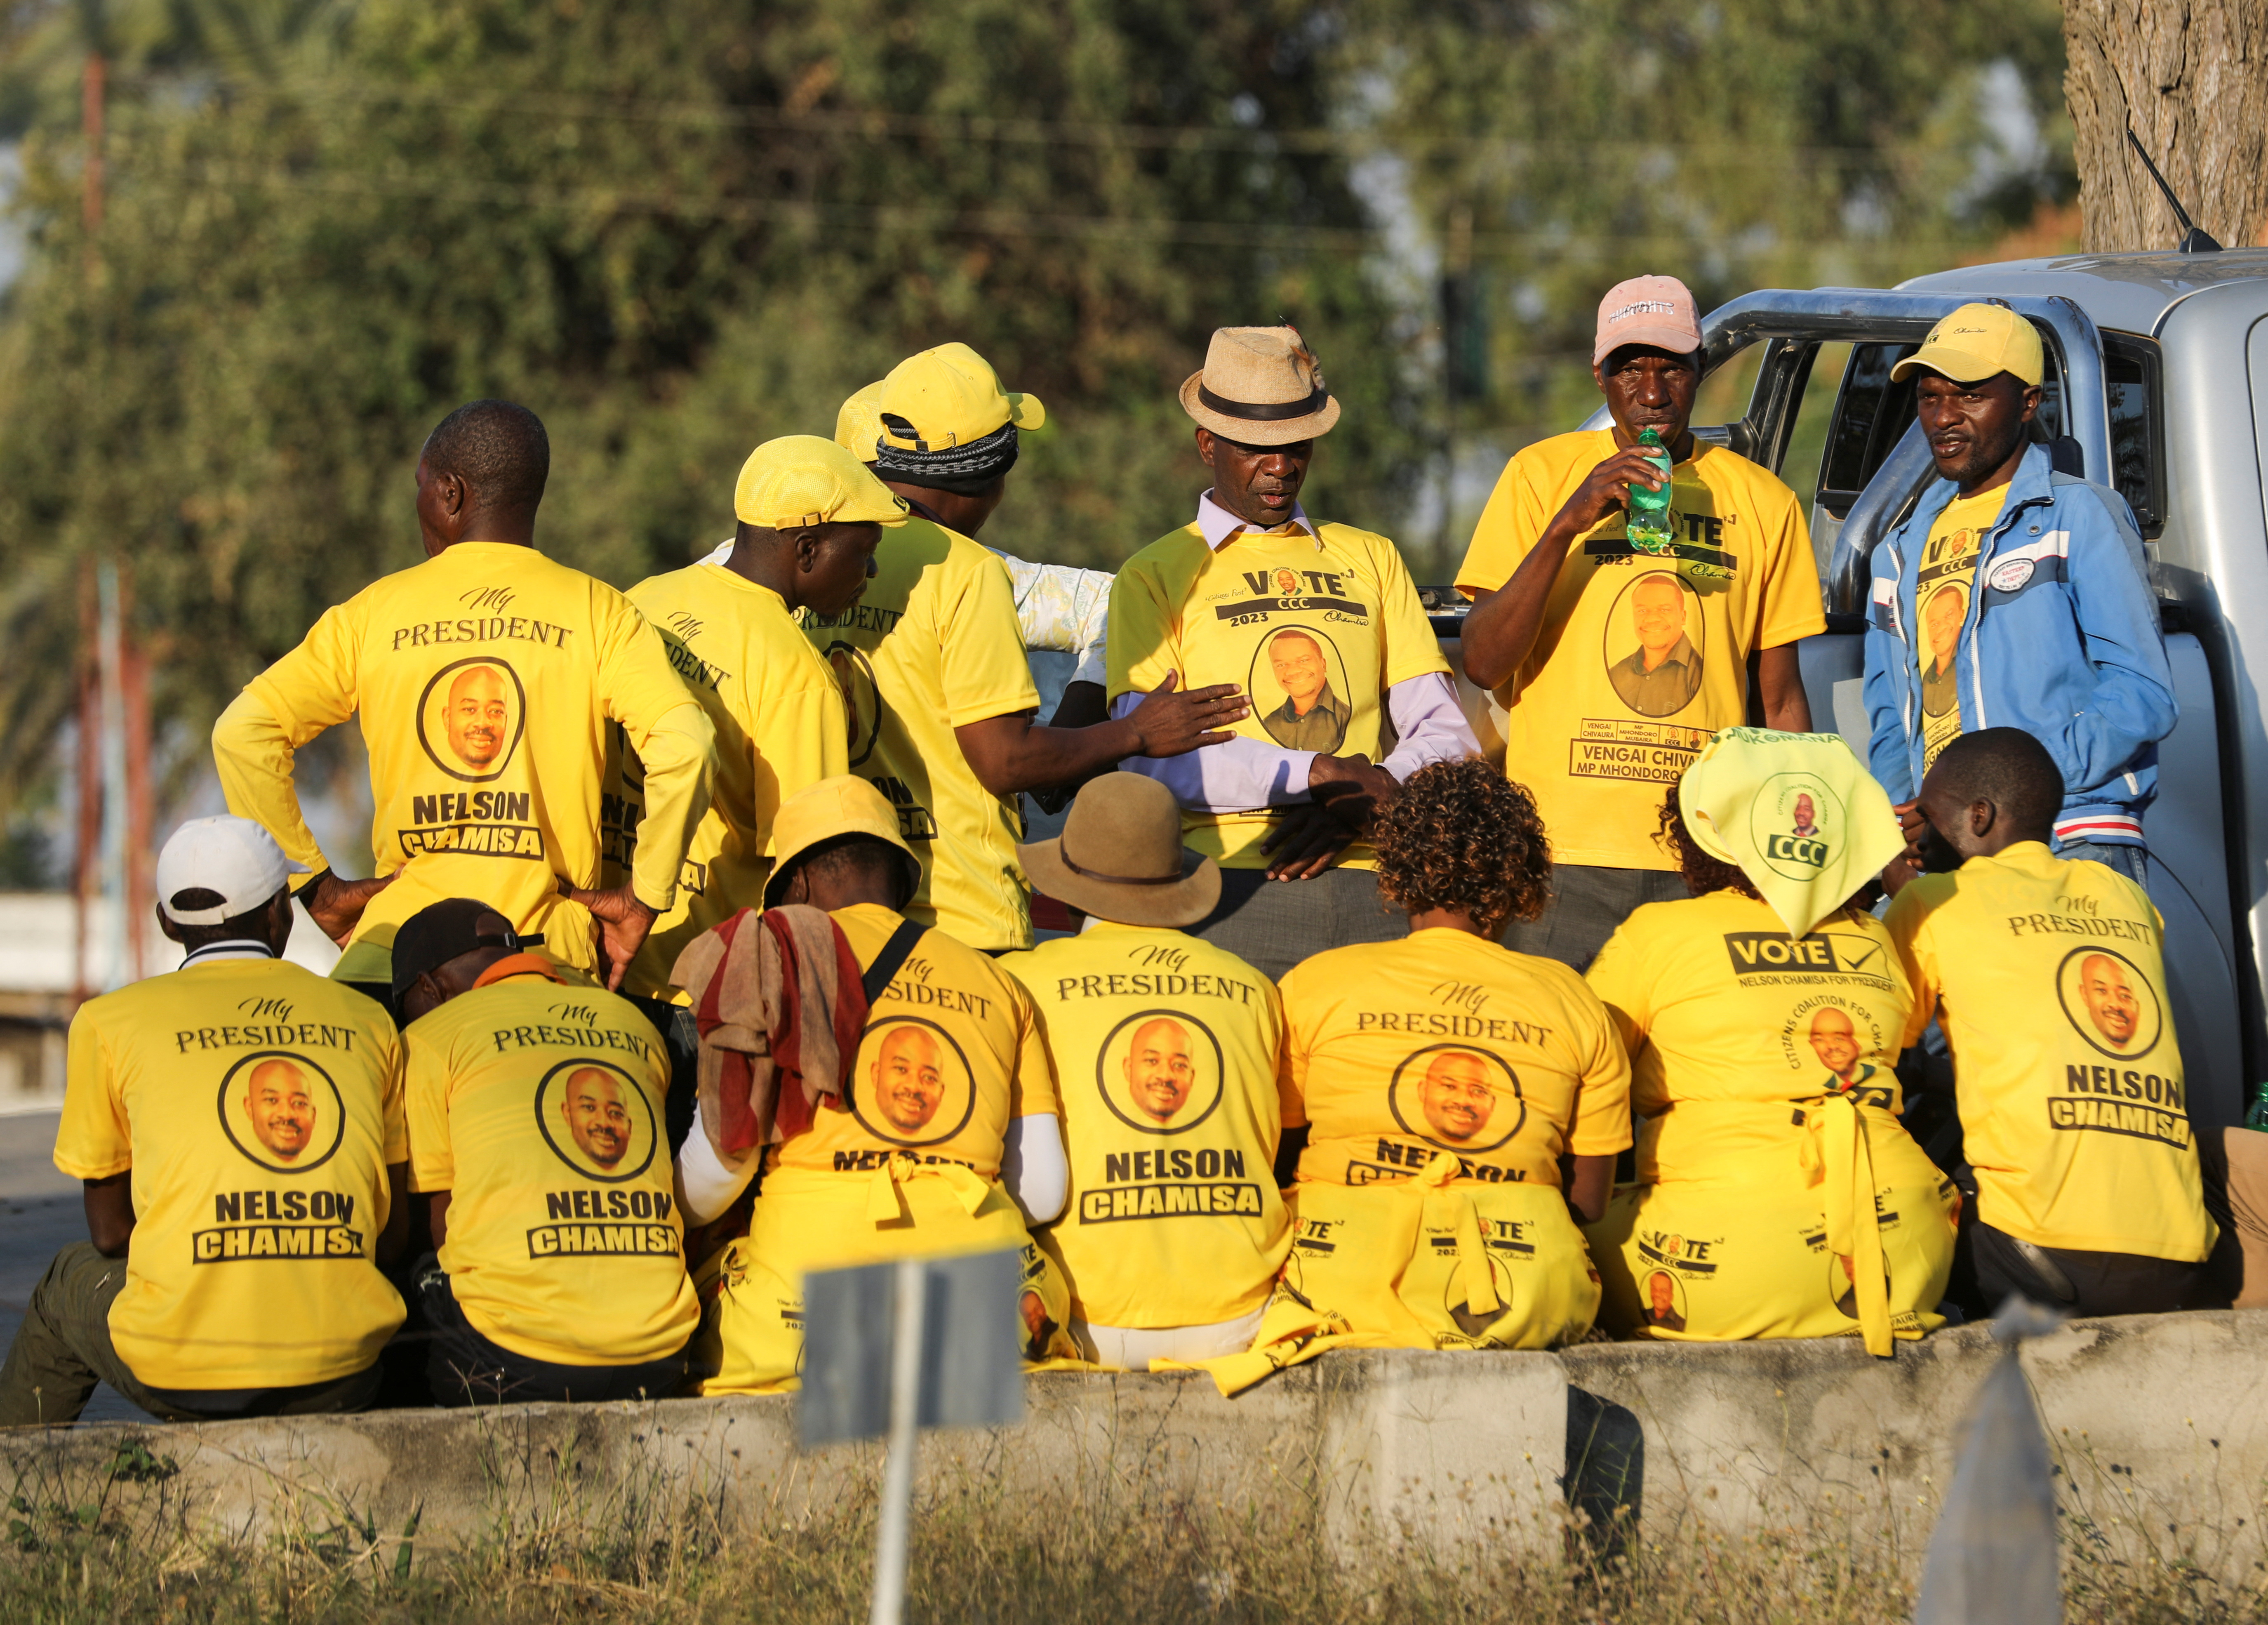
point(484, 679)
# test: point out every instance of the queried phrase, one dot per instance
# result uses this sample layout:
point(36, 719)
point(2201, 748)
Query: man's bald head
point(1835, 1040)
point(1988, 791)
point(498, 449)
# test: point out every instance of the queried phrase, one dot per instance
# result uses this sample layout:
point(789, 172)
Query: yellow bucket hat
point(858, 424)
point(800, 479)
point(843, 805)
point(1798, 814)
point(1976, 342)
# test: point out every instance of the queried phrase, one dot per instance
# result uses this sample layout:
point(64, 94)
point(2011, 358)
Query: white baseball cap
point(233, 857)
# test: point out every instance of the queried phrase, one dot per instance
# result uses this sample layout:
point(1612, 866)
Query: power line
point(942, 220)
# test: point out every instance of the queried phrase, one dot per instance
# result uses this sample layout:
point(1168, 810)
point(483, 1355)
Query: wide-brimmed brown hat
point(1120, 857)
point(1261, 386)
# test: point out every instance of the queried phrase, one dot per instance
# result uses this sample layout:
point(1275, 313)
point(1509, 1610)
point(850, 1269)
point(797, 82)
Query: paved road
point(40, 1213)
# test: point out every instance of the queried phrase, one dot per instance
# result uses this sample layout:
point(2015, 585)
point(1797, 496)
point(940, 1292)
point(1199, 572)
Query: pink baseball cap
point(1647, 310)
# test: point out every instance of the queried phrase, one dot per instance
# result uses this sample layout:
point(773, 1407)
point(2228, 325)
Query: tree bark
point(2191, 78)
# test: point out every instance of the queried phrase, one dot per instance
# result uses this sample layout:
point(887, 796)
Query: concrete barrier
point(2160, 1431)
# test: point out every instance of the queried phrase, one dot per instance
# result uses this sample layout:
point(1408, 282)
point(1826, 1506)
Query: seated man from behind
point(949, 1090)
point(1167, 1047)
point(536, 1132)
point(2047, 976)
point(238, 1125)
point(1462, 1103)
point(1778, 1194)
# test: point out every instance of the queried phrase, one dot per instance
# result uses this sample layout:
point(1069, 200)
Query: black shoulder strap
point(893, 953)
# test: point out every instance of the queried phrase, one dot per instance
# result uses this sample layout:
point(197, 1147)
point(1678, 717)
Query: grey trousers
point(1587, 905)
point(1272, 925)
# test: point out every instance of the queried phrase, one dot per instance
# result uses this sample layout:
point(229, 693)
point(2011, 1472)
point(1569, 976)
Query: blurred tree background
point(678, 231)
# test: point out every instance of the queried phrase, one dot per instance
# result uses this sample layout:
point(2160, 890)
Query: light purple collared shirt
point(1245, 774)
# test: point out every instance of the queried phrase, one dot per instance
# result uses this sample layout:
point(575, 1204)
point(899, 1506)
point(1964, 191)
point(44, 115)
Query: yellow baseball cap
point(951, 395)
point(800, 479)
point(1976, 342)
point(858, 424)
point(843, 805)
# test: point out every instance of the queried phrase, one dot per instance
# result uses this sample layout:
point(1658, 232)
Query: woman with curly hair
point(1458, 1098)
point(1779, 1194)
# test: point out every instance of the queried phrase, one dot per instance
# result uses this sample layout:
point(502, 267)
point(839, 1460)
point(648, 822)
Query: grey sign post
point(896, 1347)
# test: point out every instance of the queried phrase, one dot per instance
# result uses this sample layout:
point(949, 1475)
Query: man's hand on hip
point(1346, 791)
point(335, 905)
point(1171, 722)
point(622, 923)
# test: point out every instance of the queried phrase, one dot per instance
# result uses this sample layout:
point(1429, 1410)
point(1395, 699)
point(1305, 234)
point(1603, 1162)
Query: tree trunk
point(2191, 78)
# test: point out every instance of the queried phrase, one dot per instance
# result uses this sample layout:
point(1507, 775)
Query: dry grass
point(127, 1549)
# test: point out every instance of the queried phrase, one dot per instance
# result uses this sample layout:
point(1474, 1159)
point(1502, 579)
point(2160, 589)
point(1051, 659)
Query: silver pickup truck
point(2157, 385)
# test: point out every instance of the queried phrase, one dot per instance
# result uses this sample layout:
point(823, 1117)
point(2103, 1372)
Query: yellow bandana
point(1798, 813)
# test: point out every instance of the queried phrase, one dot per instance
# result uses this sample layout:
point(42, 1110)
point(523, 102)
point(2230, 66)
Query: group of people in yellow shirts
point(699, 955)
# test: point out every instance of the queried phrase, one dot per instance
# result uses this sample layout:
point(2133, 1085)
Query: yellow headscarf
point(1798, 813)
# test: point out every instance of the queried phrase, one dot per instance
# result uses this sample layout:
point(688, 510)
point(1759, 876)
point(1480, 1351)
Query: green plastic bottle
point(1649, 528)
point(2258, 1116)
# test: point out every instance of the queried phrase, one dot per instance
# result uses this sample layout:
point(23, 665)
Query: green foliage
point(678, 231)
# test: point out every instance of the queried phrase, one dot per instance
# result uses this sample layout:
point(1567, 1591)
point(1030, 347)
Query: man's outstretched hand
point(1172, 722)
point(622, 923)
point(335, 905)
point(1346, 792)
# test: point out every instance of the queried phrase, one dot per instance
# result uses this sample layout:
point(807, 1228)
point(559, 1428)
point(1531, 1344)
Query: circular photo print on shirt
point(1828, 1040)
point(1457, 1298)
point(470, 718)
point(1299, 689)
point(1654, 644)
point(1661, 1302)
point(281, 1111)
point(1794, 822)
point(913, 1087)
point(861, 697)
point(1160, 1072)
point(2109, 1002)
point(1843, 1284)
point(596, 1119)
point(1457, 1097)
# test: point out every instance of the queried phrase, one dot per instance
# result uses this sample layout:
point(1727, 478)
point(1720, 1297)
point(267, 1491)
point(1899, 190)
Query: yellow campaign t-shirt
point(780, 729)
point(1447, 1044)
point(483, 679)
point(1166, 1051)
point(1944, 586)
point(933, 647)
point(537, 1105)
point(1717, 1003)
point(259, 1107)
point(952, 1053)
point(1314, 627)
point(1641, 657)
point(2048, 975)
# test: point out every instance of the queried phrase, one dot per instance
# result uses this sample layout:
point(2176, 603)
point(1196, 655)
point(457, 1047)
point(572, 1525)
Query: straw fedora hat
point(825, 811)
point(1260, 386)
point(1120, 857)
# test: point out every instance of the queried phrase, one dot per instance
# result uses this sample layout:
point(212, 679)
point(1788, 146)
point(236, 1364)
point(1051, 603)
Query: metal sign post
point(896, 1347)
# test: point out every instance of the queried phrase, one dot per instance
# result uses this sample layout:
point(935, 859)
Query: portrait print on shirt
point(282, 1111)
point(1836, 1037)
point(2109, 1002)
point(1457, 1097)
point(861, 697)
point(1942, 616)
point(1795, 821)
point(1298, 689)
point(1654, 644)
point(916, 1091)
point(471, 716)
point(1160, 1072)
point(1664, 1297)
point(596, 1119)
